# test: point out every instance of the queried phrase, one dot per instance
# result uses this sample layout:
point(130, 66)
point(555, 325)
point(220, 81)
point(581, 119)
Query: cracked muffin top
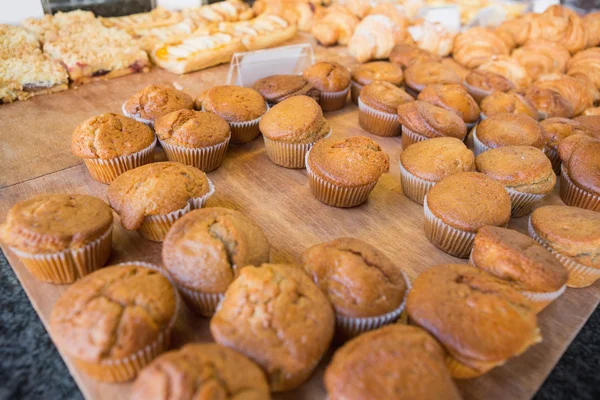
point(557, 129)
point(201, 371)
point(406, 55)
point(275, 315)
point(156, 100)
point(370, 72)
point(358, 279)
point(431, 121)
point(418, 76)
point(452, 97)
point(508, 103)
point(113, 313)
point(192, 129)
point(50, 223)
point(384, 96)
point(276, 88)
point(234, 103)
point(205, 248)
point(155, 189)
point(328, 76)
point(109, 136)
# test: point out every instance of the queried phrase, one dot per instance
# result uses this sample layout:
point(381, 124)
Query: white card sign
point(447, 16)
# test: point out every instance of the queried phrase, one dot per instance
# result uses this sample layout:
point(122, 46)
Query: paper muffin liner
point(203, 304)
point(554, 159)
point(522, 203)
point(413, 187)
point(148, 122)
point(579, 275)
point(478, 146)
point(70, 264)
point(155, 227)
point(477, 93)
point(333, 101)
point(204, 158)
point(574, 196)
point(410, 137)
point(288, 155)
point(414, 91)
point(355, 89)
point(471, 125)
point(449, 239)
point(482, 116)
point(378, 122)
point(106, 171)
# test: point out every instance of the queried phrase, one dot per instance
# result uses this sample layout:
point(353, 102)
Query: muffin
point(111, 144)
point(333, 81)
point(151, 198)
point(115, 321)
point(368, 73)
point(154, 101)
point(455, 98)
point(195, 138)
point(406, 55)
point(342, 172)
point(507, 103)
point(481, 84)
point(591, 123)
point(377, 105)
point(458, 205)
point(425, 163)
point(201, 371)
point(275, 315)
point(388, 361)
point(241, 107)
point(421, 120)
point(525, 172)
point(456, 67)
point(204, 250)
point(556, 129)
point(367, 290)
point(580, 174)
point(572, 235)
point(549, 103)
point(291, 128)
point(276, 88)
point(418, 76)
point(591, 111)
point(480, 320)
point(519, 260)
point(59, 237)
point(507, 130)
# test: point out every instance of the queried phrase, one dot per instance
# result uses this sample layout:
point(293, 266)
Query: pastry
point(406, 55)
point(554, 131)
point(461, 71)
point(508, 103)
point(540, 57)
point(154, 101)
point(586, 64)
point(453, 97)
point(591, 22)
point(509, 68)
point(549, 102)
point(517, 28)
point(368, 73)
point(561, 25)
point(475, 46)
point(418, 76)
point(333, 80)
point(377, 107)
point(149, 38)
point(580, 174)
point(581, 93)
point(507, 130)
point(483, 83)
point(591, 123)
point(335, 27)
point(373, 38)
point(397, 15)
point(592, 111)
point(155, 18)
point(222, 11)
point(432, 37)
point(276, 88)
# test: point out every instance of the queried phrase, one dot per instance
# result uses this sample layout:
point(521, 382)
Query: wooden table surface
point(35, 158)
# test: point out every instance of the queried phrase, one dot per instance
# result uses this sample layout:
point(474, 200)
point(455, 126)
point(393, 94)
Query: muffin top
point(358, 279)
point(384, 96)
point(510, 129)
point(370, 72)
point(523, 168)
point(584, 166)
point(109, 136)
point(204, 248)
point(436, 158)
point(508, 103)
point(114, 312)
point(192, 129)
point(275, 315)
point(201, 371)
point(298, 119)
point(50, 223)
point(567, 145)
point(477, 317)
point(353, 161)
point(456, 67)
point(420, 75)
point(328, 76)
point(489, 81)
point(591, 124)
point(156, 100)
point(234, 103)
point(394, 359)
point(276, 88)
point(518, 259)
point(549, 103)
point(155, 189)
point(407, 55)
point(571, 231)
point(452, 97)
point(469, 200)
point(431, 121)
point(557, 129)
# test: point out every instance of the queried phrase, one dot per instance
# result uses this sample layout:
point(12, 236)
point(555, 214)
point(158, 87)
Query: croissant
point(508, 68)
point(517, 28)
point(564, 27)
point(579, 91)
point(396, 14)
point(335, 27)
point(433, 38)
point(476, 46)
point(360, 8)
point(373, 38)
point(586, 64)
point(300, 12)
point(540, 57)
point(591, 22)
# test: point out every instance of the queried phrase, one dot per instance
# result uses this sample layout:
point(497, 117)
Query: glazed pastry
point(476, 46)
point(540, 57)
point(373, 38)
point(580, 174)
point(407, 55)
point(508, 103)
point(554, 131)
point(517, 28)
point(335, 27)
point(586, 64)
point(420, 75)
point(549, 103)
point(591, 22)
point(581, 93)
point(455, 98)
point(483, 83)
point(433, 37)
point(510, 69)
point(561, 25)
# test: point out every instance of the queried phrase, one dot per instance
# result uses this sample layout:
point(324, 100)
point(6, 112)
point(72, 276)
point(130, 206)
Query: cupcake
point(276, 316)
point(549, 103)
point(525, 172)
point(151, 198)
point(388, 361)
point(195, 138)
point(114, 322)
point(199, 371)
point(59, 237)
point(457, 206)
point(204, 250)
point(455, 98)
point(154, 101)
point(374, 287)
point(425, 163)
point(333, 81)
point(377, 107)
point(481, 84)
point(519, 260)
point(406, 55)
point(342, 172)
point(241, 107)
point(556, 129)
point(276, 88)
point(291, 128)
point(480, 319)
point(111, 144)
point(421, 120)
point(418, 76)
point(572, 235)
point(580, 174)
point(368, 73)
point(507, 103)
point(507, 130)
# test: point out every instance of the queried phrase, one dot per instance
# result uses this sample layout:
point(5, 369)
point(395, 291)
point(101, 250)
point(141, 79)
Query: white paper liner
point(482, 116)
point(106, 171)
point(204, 304)
point(477, 93)
point(552, 154)
point(471, 125)
point(70, 264)
point(413, 187)
point(245, 131)
point(414, 91)
point(355, 89)
point(148, 122)
point(478, 146)
point(410, 137)
point(333, 101)
point(288, 155)
point(205, 159)
point(574, 196)
point(378, 122)
point(522, 203)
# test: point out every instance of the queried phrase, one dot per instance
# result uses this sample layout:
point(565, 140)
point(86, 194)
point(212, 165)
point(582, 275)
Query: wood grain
point(35, 158)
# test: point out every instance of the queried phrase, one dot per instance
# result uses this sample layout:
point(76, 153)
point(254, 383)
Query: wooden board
point(35, 158)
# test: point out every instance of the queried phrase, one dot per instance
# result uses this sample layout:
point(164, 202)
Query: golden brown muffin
point(370, 72)
point(115, 321)
point(478, 318)
point(567, 145)
point(456, 67)
point(582, 167)
point(591, 123)
point(549, 103)
point(201, 371)
point(276, 88)
point(154, 101)
point(509, 130)
point(406, 55)
point(418, 76)
point(580, 92)
point(384, 96)
point(554, 131)
point(388, 361)
point(328, 76)
point(452, 97)
point(192, 129)
point(430, 121)
point(483, 83)
point(275, 315)
point(234, 103)
point(508, 103)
